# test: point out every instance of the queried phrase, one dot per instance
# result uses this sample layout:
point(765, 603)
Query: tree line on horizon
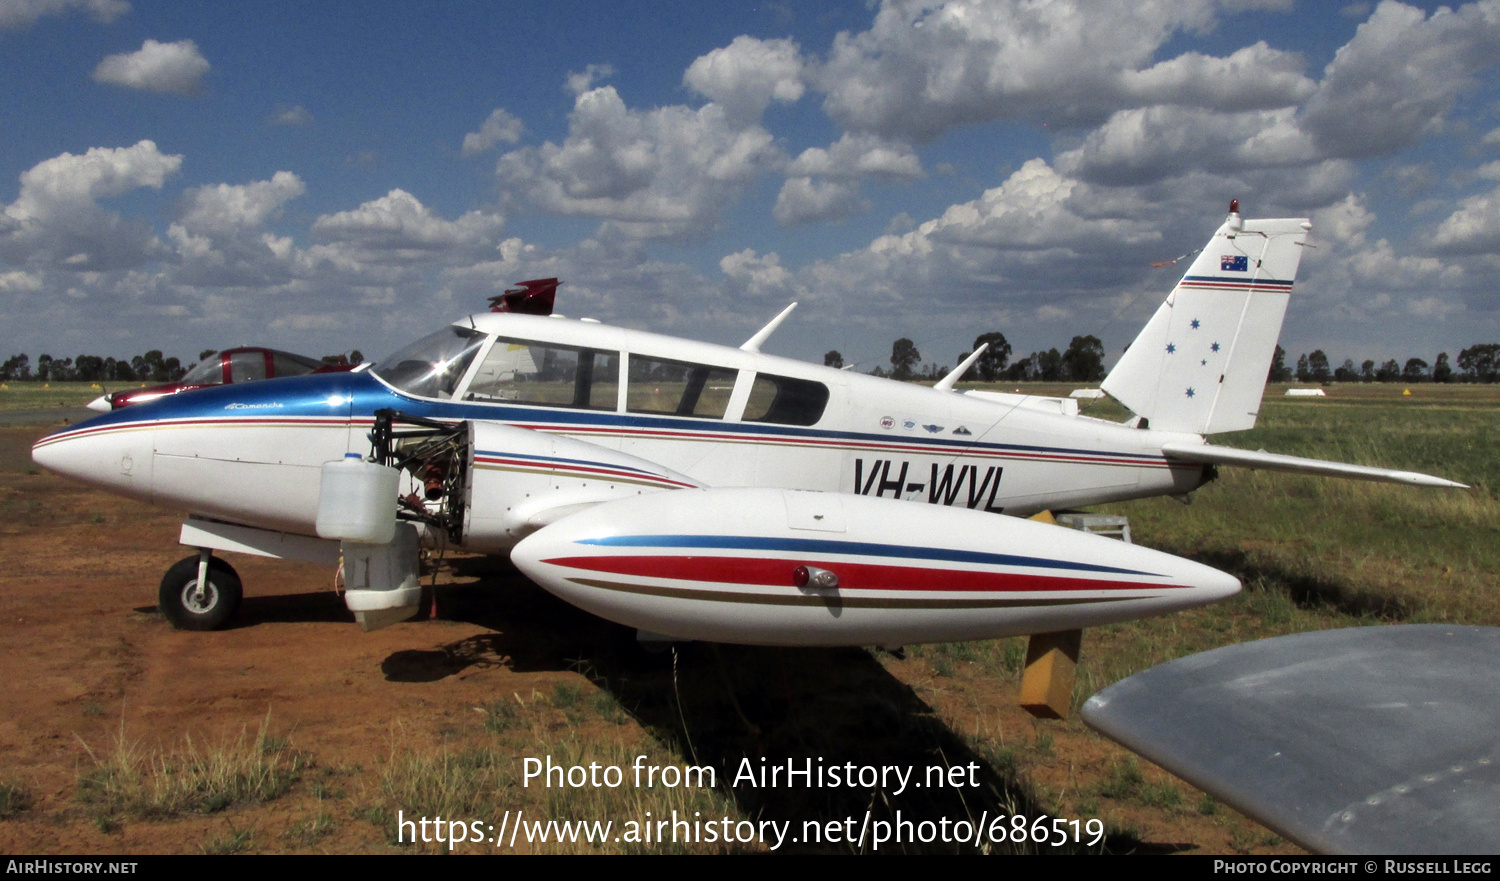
point(1477, 363)
point(153, 366)
point(1082, 361)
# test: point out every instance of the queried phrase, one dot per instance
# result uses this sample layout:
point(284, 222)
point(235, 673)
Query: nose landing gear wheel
point(191, 606)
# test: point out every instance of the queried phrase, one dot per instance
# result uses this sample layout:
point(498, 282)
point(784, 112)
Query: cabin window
point(678, 388)
point(432, 366)
point(785, 400)
point(523, 372)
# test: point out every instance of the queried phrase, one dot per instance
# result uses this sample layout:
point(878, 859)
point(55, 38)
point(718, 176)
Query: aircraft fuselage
point(251, 453)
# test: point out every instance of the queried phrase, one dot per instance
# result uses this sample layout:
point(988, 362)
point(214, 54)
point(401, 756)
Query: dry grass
point(129, 781)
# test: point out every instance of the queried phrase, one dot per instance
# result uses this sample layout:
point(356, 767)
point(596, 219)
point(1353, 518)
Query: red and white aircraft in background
point(242, 364)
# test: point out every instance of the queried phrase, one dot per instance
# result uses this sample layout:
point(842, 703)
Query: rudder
point(1200, 364)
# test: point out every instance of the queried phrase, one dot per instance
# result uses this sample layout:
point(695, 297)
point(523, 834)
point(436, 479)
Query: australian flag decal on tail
point(1234, 263)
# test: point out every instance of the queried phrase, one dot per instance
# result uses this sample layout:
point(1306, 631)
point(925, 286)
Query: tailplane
point(1200, 365)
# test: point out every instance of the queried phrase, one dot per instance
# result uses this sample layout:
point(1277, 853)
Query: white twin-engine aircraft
point(695, 491)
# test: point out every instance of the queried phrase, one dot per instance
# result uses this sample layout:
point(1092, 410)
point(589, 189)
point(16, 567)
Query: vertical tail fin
point(1200, 364)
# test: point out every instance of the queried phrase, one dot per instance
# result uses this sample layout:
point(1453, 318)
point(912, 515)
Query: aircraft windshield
point(208, 372)
point(432, 366)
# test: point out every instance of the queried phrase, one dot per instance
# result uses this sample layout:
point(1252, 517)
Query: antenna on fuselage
point(946, 383)
point(753, 344)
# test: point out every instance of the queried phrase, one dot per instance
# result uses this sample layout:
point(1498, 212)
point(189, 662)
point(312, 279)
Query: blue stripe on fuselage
point(359, 395)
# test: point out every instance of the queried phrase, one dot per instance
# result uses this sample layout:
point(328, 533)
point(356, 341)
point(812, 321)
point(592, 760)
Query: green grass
point(42, 395)
point(1391, 552)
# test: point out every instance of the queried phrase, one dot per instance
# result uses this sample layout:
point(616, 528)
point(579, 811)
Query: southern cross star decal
point(1195, 324)
point(1214, 347)
point(1171, 348)
point(1190, 393)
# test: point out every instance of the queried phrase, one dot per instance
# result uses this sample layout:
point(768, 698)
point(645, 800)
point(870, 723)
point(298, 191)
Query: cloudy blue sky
point(329, 176)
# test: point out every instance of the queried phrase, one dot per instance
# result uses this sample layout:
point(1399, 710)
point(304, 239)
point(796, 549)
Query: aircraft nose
point(114, 457)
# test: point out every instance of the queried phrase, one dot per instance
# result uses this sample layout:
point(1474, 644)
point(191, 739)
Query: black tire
point(187, 608)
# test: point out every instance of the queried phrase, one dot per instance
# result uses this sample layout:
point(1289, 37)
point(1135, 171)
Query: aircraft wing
point(1209, 454)
point(1364, 740)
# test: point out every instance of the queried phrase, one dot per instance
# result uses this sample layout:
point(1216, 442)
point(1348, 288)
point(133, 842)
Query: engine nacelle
point(520, 480)
point(785, 567)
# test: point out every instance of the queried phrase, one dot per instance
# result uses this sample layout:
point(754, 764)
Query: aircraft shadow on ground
point(314, 607)
point(1305, 590)
point(737, 707)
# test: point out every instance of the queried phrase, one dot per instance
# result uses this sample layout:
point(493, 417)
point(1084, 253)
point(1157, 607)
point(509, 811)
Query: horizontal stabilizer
point(1209, 454)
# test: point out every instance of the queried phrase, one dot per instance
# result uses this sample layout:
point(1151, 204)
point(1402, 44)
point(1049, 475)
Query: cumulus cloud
point(397, 229)
point(858, 155)
point(156, 67)
point(218, 235)
point(1254, 78)
point(499, 128)
point(225, 207)
point(1395, 81)
point(657, 173)
point(1032, 211)
point(1344, 223)
point(57, 221)
point(1472, 229)
point(758, 275)
point(805, 200)
point(823, 184)
point(1032, 249)
point(15, 14)
point(747, 75)
point(922, 69)
point(1140, 145)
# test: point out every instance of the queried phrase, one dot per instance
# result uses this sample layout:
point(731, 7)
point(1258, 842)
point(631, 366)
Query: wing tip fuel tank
point(720, 564)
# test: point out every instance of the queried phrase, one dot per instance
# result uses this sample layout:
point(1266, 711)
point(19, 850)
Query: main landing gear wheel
point(191, 607)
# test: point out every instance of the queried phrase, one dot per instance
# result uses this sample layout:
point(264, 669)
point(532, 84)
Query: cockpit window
point(522, 372)
point(432, 366)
